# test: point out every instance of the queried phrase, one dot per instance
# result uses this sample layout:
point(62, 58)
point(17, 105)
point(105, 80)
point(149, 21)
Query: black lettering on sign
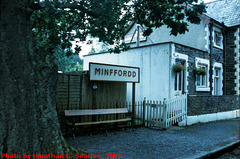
point(134, 74)
point(125, 73)
point(115, 72)
point(111, 71)
point(129, 73)
point(106, 72)
point(120, 73)
point(97, 71)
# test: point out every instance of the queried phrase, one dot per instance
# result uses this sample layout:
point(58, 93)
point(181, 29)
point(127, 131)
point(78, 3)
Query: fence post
point(144, 106)
point(165, 113)
point(186, 103)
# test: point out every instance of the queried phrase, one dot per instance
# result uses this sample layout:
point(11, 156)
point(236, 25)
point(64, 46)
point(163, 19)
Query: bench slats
point(101, 122)
point(72, 114)
point(95, 112)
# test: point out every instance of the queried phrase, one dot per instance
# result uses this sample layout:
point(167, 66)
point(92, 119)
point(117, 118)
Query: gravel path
point(153, 143)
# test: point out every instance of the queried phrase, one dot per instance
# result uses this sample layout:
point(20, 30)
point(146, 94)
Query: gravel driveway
point(154, 143)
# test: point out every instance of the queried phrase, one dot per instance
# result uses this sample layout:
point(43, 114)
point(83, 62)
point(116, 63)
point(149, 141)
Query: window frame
point(202, 77)
point(215, 29)
point(178, 81)
point(218, 66)
point(180, 57)
point(202, 62)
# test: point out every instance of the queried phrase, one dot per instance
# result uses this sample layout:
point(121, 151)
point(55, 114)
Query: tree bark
point(28, 118)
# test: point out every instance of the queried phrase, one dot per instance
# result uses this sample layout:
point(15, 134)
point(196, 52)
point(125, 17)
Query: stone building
point(209, 52)
point(227, 13)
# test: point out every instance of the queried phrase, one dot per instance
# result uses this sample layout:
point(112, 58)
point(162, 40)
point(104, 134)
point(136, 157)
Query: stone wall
point(230, 61)
point(239, 58)
point(192, 53)
point(217, 55)
point(198, 105)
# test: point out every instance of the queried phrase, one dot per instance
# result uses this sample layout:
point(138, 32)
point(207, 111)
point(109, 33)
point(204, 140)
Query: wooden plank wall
point(70, 89)
point(75, 91)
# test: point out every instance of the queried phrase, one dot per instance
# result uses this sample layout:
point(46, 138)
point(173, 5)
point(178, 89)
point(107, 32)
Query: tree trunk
point(28, 118)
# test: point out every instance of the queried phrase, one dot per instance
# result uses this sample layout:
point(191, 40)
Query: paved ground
point(175, 142)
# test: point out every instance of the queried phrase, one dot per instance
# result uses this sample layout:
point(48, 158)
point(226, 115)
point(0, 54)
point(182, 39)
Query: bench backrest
point(95, 111)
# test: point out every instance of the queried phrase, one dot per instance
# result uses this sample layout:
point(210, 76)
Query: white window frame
point(179, 76)
point(202, 77)
point(183, 57)
point(200, 62)
point(215, 29)
point(218, 66)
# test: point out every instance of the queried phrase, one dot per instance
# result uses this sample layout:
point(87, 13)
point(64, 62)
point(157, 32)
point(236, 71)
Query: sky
point(87, 48)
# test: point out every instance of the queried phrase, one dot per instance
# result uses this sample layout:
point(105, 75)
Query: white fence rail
point(165, 113)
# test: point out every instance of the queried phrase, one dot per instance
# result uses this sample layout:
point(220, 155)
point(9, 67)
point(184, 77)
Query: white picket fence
point(165, 113)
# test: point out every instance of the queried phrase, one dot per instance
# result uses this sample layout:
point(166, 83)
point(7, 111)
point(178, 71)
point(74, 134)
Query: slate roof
point(226, 11)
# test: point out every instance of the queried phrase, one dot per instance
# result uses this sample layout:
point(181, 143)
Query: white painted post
point(150, 113)
point(174, 110)
point(165, 113)
point(183, 107)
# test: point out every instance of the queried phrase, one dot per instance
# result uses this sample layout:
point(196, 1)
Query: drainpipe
point(211, 50)
point(224, 60)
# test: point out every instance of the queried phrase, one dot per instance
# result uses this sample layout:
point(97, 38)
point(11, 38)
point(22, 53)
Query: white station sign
point(117, 73)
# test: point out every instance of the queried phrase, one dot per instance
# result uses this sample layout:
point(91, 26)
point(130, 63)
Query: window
point(202, 75)
point(202, 79)
point(179, 79)
point(217, 38)
point(217, 81)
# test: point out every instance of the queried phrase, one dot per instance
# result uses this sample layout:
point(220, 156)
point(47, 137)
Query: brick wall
point(198, 105)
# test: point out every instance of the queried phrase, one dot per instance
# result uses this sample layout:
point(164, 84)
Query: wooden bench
point(71, 116)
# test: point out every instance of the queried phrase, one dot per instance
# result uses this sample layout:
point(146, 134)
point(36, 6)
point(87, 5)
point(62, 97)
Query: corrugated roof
point(225, 11)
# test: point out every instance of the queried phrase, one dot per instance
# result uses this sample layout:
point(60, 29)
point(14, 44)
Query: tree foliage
point(67, 63)
point(59, 22)
point(172, 13)
point(28, 77)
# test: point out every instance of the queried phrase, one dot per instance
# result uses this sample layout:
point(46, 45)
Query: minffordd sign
point(105, 72)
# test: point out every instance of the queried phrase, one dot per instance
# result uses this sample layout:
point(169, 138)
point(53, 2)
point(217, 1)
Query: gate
point(165, 113)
